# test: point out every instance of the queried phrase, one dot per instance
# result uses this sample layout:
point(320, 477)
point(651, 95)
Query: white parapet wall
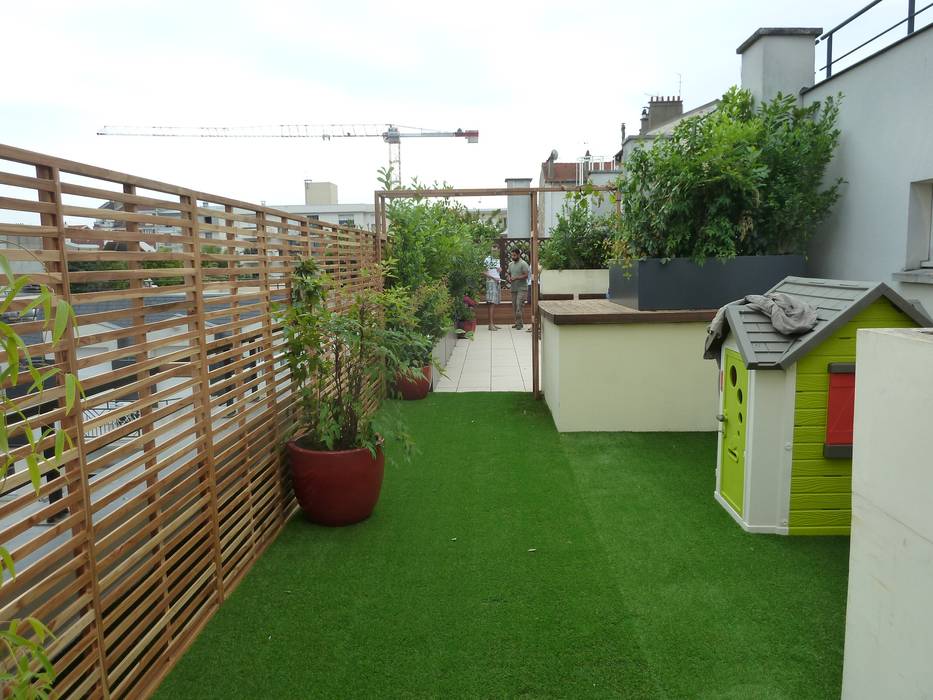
point(628, 377)
point(575, 282)
point(889, 619)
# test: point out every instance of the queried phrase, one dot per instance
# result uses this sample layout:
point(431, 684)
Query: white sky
point(529, 76)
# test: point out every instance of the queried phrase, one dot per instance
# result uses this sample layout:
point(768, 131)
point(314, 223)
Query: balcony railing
point(912, 20)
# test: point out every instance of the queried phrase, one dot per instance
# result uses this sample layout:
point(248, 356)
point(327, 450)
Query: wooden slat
point(176, 483)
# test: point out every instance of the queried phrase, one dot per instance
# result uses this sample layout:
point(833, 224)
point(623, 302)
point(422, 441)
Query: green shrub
point(742, 180)
point(439, 239)
point(581, 239)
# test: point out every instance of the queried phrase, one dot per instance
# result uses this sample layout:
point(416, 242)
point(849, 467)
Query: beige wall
point(629, 377)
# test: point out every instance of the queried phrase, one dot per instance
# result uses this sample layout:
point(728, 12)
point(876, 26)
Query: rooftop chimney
point(518, 209)
point(778, 59)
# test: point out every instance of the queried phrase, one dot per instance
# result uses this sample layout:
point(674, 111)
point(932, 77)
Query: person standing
point(518, 276)
point(492, 287)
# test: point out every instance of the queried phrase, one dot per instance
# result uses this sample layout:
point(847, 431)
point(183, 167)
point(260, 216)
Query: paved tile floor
point(491, 361)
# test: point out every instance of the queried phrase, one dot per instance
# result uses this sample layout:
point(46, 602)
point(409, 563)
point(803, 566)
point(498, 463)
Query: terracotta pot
point(336, 488)
point(468, 325)
point(414, 389)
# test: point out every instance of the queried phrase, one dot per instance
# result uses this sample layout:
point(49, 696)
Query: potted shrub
point(726, 205)
point(413, 382)
point(575, 258)
point(466, 314)
point(341, 354)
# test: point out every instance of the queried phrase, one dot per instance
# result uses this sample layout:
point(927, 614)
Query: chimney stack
point(778, 59)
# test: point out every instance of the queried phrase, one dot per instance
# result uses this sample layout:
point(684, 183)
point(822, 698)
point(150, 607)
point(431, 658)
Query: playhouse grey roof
point(835, 301)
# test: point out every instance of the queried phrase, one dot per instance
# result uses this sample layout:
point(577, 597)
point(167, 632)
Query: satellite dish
point(553, 156)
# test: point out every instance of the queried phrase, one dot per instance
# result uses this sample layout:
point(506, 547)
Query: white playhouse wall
point(769, 439)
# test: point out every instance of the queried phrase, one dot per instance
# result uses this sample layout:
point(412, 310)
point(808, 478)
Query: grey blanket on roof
point(789, 315)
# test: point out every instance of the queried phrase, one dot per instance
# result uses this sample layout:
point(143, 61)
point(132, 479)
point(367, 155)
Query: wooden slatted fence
point(176, 482)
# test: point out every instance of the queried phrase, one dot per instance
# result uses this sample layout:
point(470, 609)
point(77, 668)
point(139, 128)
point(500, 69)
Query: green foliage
point(738, 181)
point(439, 239)
point(581, 240)
point(400, 316)
point(31, 674)
point(340, 352)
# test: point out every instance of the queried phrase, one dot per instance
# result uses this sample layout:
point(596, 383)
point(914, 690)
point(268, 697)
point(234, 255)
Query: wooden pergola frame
point(381, 196)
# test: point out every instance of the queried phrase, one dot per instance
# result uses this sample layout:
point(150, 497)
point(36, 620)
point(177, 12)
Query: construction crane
point(392, 134)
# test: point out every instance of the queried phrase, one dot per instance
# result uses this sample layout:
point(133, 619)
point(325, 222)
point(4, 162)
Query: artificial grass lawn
point(509, 560)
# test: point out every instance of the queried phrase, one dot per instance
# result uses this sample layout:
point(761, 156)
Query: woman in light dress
point(493, 280)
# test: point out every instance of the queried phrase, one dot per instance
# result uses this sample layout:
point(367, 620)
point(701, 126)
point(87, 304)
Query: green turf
point(638, 585)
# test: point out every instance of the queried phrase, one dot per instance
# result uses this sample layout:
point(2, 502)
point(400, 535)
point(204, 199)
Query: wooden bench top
point(602, 311)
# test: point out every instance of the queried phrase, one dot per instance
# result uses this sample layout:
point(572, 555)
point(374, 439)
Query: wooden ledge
point(602, 311)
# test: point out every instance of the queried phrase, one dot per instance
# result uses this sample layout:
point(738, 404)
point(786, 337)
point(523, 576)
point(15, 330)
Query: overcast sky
point(529, 76)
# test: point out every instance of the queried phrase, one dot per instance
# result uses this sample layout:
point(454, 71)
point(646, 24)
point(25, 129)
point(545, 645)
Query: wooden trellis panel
point(176, 482)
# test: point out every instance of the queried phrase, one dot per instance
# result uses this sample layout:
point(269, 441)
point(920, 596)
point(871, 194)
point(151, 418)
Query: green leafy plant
point(439, 239)
point(28, 672)
point(341, 354)
point(581, 239)
point(741, 180)
point(399, 314)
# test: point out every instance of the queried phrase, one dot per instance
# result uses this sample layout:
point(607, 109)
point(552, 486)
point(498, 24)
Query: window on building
point(314, 217)
point(345, 221)
point(920, 228)
point(929, 261)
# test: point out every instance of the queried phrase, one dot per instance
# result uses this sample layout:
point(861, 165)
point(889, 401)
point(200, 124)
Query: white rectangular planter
point(574, 282)
point(441, 353)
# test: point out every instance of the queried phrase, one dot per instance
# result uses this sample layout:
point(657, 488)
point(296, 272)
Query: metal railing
point(910, 20)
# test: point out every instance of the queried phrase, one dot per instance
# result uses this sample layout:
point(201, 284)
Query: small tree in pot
point(400, 315)
point(341, 355)
point(424, 315)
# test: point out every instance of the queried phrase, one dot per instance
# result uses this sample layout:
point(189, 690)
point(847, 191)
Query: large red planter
point(336, 488)
point(468, 326)
point(414, 389)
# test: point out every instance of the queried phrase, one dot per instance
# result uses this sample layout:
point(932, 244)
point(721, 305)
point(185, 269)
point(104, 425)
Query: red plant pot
point(468, 326)
point(414, 389)
point(336, 488)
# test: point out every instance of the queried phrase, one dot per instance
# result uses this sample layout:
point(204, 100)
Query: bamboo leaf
point(7, 270)
point(62, 314)
point(42, 632)
point(35, 474)
point(7, 560)
point(71, 385)
point(4, 438)
point(59, 446)
point(15, 289)
point(46, 297)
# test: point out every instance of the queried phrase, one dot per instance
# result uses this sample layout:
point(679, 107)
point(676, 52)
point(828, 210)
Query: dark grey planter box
point(679, 283)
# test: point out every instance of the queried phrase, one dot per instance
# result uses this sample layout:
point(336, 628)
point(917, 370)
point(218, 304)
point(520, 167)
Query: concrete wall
point(889, 621)
point(550, 206)
point(881, 224)
point(574, 281)
point(551, 367)
point(441, 354)
point(632, 376)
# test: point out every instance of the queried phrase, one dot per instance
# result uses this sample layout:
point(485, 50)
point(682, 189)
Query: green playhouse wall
point(821, 489)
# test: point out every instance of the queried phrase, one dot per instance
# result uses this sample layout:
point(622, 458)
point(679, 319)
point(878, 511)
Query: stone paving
point(491, 361)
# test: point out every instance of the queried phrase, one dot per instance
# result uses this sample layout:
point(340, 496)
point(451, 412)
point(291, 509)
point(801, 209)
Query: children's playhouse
point(784, 462)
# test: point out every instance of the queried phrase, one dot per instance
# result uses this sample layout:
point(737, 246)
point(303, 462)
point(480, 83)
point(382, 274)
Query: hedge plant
point(581, 239)
point(744, 179)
